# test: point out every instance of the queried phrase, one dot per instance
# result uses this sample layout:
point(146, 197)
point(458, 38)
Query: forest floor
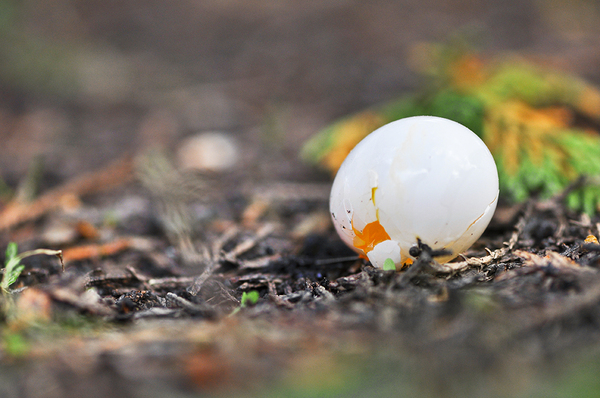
point(263, 298)
point(182, 283)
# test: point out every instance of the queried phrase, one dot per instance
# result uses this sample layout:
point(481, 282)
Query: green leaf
point(250, 297)
point(13, 274)
point(13, 267)
point(11, 252)
point(388, 265)
point(464, 109)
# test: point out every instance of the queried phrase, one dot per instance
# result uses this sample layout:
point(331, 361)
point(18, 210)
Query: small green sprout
point(388, 265)
point(13, 266)
point(248, 298)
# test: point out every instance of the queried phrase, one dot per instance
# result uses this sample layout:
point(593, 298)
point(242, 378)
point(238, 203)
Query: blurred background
point(84, 82)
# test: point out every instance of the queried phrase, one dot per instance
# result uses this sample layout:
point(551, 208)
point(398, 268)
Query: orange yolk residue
point(371, 235)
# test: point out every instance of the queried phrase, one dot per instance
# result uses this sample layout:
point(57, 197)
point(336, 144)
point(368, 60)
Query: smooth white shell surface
point(421, 177)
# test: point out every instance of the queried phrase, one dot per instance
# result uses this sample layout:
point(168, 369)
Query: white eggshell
point(421, 177)
point(384, 250)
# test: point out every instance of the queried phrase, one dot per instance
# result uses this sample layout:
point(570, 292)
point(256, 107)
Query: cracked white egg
point(421, 177)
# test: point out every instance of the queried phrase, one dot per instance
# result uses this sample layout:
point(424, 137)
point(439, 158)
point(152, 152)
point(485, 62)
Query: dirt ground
point(98, 97)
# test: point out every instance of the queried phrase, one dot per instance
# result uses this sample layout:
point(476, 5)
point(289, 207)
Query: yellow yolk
point(371, 235)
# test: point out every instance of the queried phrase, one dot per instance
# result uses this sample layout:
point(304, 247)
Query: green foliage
point(522, 111)
point(544, 179)
point(547, 178)
point(464, 109)
point(534, 85)
point(467, 110)
point(248, 298)
point(12, 267)
point(585, 154)
point(317, 146)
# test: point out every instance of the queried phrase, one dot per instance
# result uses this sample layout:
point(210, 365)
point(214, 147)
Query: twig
point(199, 281)
point(216, 256)
point(171, 281)
point(202, 309)
point(142, 279)
point(71, 297)
point(249, 243)
point(84, 252)
point(324, 293)
point(277, 299)
point(452, 268)
point(113, 175)
point(260, 262)
point(556, 260)
point(212, 258)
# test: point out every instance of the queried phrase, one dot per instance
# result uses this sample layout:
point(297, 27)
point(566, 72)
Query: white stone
point(213, 151)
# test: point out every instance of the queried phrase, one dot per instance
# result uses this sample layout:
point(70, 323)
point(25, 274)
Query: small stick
point(47, 252)
point(171, 281)
point(250, 243)
point(452, 268)
point(113, 175)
